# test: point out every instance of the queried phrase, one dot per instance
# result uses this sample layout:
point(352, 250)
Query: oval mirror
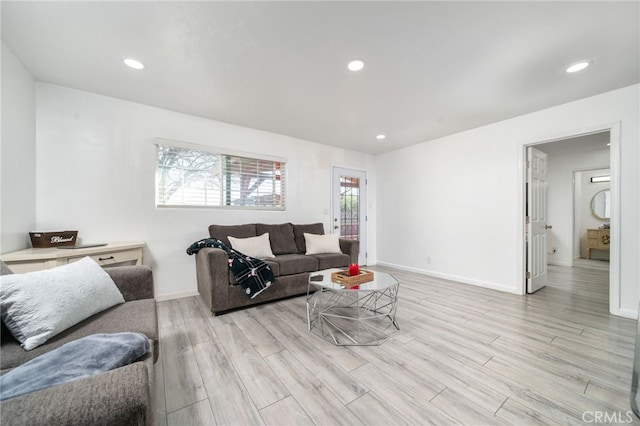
point(601, 204)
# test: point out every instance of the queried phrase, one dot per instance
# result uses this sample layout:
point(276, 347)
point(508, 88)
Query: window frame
point(222, 152)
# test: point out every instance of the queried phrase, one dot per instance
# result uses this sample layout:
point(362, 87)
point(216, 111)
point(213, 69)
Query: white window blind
point(200, 178)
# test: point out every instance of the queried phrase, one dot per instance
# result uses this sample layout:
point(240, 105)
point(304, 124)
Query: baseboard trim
point(560, 263)
point(626, 313)
point(176, 295)
point(456, 278)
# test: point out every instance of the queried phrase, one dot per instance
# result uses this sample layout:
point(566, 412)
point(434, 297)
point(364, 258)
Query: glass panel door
point(350, 207)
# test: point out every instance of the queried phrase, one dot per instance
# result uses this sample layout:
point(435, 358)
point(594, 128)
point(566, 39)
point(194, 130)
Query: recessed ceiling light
point(579, 66)
point(356, 65)
point(133, 63)
point(381, 136)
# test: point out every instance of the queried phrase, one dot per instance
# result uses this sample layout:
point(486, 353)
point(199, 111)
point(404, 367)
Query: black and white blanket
point(253, 275)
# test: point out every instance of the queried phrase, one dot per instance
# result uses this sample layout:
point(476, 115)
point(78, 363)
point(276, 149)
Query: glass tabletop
point(381, 281)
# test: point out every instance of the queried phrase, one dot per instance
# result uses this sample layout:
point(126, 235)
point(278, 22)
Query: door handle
point(548, 226)
point(336, 227)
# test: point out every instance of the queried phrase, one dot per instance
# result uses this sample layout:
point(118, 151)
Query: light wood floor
point(464, 355)
point(591, 264)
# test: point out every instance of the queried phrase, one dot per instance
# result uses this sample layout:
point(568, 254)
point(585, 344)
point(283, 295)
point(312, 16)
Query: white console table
point(36, 259)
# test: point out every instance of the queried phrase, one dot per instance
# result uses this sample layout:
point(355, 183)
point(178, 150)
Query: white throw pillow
point(38, 305)
point(259, 247)
point(317, 244)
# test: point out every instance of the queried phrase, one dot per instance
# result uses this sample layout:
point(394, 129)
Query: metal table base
point(352, 316)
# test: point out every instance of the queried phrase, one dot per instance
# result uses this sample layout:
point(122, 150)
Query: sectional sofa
point(122, 396)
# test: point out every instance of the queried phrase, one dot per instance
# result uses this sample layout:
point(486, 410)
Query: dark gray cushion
point(135, 316)
point(221, 232)
point(331, 260)
point(6, 335)
point(296, 263)
point(280, 236)
point(134, 282)
point(117, 397)
point(299, 230)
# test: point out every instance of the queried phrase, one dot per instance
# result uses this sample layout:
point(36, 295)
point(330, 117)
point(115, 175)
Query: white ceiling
point(432, 68)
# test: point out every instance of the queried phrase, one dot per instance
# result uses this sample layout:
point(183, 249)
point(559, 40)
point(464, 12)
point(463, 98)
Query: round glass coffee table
point(362, 315)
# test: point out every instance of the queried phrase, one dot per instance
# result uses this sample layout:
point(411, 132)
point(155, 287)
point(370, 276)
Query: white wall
point(561, 168)
point(17, 154)
point(458, 199)
point(96, 171)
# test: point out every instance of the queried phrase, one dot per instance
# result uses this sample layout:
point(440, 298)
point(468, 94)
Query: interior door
point(536, 219)
point(349, 215)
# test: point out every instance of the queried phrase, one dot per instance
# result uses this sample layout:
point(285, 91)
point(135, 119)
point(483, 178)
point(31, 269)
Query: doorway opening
point(349, 201)
point(592, 215)
point(572, 225)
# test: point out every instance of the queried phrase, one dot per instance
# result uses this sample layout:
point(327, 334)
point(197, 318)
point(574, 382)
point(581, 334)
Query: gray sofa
point(291, 266)
point(122, 396)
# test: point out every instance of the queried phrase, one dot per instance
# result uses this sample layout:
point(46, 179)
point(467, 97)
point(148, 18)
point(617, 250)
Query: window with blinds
point(194, 177)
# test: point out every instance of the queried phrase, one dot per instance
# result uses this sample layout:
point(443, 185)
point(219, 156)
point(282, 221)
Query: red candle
point(354, 269)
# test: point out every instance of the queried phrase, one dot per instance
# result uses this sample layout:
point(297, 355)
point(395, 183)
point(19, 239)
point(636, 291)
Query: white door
point(349, 212)
point(536, 219)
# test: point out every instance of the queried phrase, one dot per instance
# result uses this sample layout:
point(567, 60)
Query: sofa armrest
point(212, 273)
point(134, 282)
point(350, 247)
point(117, 397)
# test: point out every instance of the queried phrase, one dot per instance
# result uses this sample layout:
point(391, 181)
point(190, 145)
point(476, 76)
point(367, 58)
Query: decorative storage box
point(343, 278)
point(53, 239)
